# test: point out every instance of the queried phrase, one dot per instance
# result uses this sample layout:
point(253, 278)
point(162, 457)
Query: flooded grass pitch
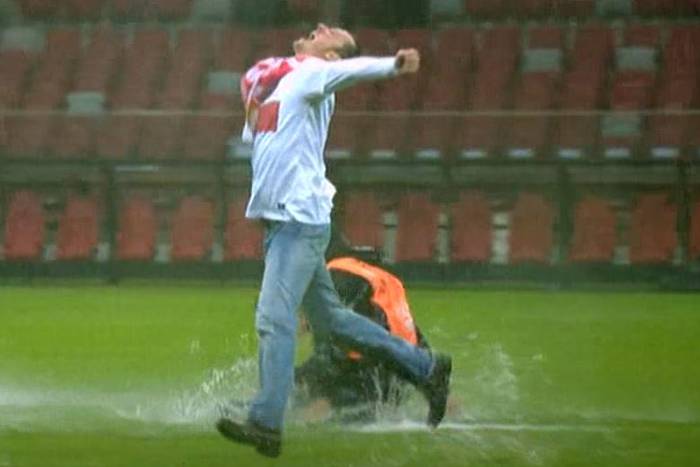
point(135, 376)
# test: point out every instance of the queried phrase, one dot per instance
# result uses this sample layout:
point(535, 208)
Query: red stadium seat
point(219, 101)
point(497, 58)
point(632, 90)
point(131, 9)
point(455, 50)
point(387, 136)
point(471, 229)
point(545, 37)
point(373, 41)
point(192, 232)
point(72, 138)
point(642, 35)
point(359, 97)
point(574, 8)
point(431, 137)
point(694, 235)
point(486, 8)
point(527, 136)
point(652, 238)
point(343, 136)
point(583, 86)
point(116, 137)
point(84, 9)
point(24, 227)
point(27, 136)
point(14, 69)
point(416, 235)
point(206, 136)
point(531, 237)
point(39, 9)
point(182, 83)
point(233, 50)
point(308, 10)
point(446, 89)
point(136, 239)
point(161, 138)
point(678, 90)
point(661, 7)
point(100, 62)
point(476, 137)
point(243, 238)
point(144, 63)
point(582, 91)
point(78, 229)
point(172, 9)
point(576, 136)
point(668, 135)
point(363, 223)
point(400, 94)
point(594, 232)
point(694, 136)
point(533, 8)
point(277, 42)
point(592, 49)
point(54, 76)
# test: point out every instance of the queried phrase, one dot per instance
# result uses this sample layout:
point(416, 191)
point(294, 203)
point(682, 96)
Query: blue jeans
point(295, 273)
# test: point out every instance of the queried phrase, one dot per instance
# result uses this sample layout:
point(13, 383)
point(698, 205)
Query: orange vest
point(387, 293)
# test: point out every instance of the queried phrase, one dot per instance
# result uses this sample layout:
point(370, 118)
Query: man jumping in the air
point(289, 103)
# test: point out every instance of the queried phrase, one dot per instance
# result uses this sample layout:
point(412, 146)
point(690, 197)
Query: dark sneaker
point(266, 441)
point(437, 388)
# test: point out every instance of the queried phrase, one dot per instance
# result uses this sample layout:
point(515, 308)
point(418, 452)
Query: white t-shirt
point(289, 173)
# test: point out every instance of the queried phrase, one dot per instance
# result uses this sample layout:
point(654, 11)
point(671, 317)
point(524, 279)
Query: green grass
point(112, 376)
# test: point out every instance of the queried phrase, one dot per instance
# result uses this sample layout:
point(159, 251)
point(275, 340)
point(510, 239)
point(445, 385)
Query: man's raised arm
point(340, 74)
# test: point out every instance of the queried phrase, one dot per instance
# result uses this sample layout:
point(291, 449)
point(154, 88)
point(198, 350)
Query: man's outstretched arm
point(340, 74)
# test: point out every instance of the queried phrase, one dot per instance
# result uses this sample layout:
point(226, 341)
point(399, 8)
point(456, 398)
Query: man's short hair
point(348, 50)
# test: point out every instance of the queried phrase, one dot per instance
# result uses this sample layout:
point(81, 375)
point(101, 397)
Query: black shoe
point(266, 441)
point(437, 388)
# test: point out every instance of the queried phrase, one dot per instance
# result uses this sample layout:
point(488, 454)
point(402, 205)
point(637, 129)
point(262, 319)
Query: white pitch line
point(411, 426)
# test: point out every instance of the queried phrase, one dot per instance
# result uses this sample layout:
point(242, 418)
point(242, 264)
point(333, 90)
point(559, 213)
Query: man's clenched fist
point(407, 61)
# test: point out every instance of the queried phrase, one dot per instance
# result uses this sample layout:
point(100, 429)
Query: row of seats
point(491, 9)
point(118, 137)
point(436, 138)
point(542, 68)
point(309, 9)
point(191, 230)
point(652, 238)
point(94, 9)
point(652, 235)
point(592, 66)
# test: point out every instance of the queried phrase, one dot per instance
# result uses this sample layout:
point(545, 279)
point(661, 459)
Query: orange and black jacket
point(377, 294)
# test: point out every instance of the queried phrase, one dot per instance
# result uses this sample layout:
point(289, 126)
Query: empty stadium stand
point(608, 92)
point(471, 234)
point(595, 231)
point(78, 229)
point(24, 227)
point(652, 236)
point(243, 238)
point(591, 67)
point(416, 235)
point(136, 238)
point(192, 230)
point(694, 243)
point(531, 230)
point(369, 231)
